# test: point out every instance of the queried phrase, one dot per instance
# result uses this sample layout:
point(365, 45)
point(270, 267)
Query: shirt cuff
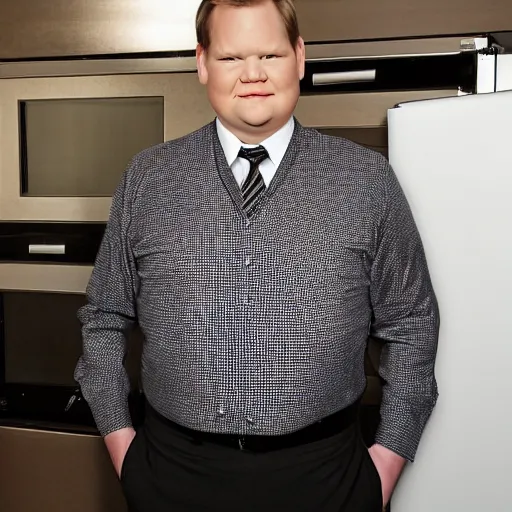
point(402, 425)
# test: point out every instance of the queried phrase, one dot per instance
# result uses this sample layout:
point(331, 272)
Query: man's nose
point(254, 71)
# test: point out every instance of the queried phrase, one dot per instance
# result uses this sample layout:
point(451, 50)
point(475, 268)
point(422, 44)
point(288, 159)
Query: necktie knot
point(254, 155)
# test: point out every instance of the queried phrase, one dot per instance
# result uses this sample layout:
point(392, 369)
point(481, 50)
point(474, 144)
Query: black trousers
point(166, 471)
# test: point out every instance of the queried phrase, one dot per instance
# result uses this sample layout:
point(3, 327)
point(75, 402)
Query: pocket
point(127, 457)
point(374, 470)
point(373, 473)
point(371, 468)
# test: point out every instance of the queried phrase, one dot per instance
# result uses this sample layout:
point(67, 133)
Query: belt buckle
point(241, 443)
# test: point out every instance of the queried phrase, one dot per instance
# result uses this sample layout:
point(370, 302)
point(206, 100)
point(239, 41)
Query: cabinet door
point(35, 28)
point(51, 470)
point(31, 28)
point(338, 20)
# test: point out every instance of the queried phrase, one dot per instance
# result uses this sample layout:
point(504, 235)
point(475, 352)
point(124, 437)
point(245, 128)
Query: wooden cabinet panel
point(332, 20)
point(73, 472)
point(35, 28)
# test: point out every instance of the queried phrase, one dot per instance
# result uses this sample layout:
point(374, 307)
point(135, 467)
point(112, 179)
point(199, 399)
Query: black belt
point(323, 429)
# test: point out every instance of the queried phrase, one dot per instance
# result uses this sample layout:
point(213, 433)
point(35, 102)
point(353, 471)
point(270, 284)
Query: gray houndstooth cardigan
point(259, 326)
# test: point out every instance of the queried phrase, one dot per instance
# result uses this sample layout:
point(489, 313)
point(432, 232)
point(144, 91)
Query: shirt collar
point(276, 144)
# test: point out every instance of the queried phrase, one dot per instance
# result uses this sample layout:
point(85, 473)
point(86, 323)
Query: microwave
point(68, 129)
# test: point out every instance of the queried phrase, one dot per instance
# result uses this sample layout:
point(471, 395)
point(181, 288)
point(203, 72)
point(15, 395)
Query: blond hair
point(285, 7)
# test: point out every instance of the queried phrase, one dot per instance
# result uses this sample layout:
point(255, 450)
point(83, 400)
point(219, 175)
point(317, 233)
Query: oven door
point(40, 343)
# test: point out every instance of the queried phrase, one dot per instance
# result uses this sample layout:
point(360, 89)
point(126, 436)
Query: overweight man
point(258, 256)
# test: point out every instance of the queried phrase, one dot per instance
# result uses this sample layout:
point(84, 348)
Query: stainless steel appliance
point(49, 237)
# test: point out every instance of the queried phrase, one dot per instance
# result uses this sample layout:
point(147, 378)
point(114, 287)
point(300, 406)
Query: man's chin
point(257, 122)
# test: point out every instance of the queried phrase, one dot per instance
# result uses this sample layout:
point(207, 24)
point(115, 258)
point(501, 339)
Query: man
point(257, 256)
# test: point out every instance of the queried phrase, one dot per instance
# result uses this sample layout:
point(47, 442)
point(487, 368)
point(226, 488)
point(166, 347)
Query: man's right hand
point(118, 443)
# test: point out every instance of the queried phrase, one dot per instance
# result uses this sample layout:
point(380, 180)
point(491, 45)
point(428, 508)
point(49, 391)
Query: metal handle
point(46, 249)
point(344, 77)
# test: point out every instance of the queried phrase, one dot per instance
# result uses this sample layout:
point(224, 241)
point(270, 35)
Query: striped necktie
point(253, 185)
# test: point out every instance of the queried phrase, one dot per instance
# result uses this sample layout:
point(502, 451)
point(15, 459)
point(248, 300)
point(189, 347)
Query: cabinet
point(345, 20)
point(44, 469)
point(32, 29)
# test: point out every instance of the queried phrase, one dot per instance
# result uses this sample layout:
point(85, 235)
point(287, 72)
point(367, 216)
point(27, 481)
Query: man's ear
point(201, 64)
point(300, 52)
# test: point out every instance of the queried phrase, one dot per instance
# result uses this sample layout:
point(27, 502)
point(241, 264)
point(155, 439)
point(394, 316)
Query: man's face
point(251, 70)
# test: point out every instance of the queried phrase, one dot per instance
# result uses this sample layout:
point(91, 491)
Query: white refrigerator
point(453, 158)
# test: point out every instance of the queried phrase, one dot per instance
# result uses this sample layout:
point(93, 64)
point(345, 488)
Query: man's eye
point(227, 58)
point(270, 56)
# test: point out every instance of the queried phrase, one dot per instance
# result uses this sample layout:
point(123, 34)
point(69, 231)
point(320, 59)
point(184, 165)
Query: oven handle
point(46, 249)
point(344, 77)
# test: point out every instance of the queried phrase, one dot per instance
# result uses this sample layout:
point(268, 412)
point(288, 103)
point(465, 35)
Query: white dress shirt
point(276, 146)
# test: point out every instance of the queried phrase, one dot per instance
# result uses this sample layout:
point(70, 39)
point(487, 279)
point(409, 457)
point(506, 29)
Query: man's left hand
point(389, 465)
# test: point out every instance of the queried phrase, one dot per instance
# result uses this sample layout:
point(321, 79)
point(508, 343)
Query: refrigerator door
point(453, 158)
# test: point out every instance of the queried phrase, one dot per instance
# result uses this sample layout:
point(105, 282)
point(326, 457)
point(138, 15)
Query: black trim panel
point(81, 240)
point(32, 405)
point(107, 56)
point(3, 397)
point(46, 403)
point(503, 39)
point(441, 72)
point(23, 147)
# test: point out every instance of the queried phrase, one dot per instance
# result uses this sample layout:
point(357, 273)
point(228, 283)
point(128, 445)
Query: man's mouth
point(255, 95)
